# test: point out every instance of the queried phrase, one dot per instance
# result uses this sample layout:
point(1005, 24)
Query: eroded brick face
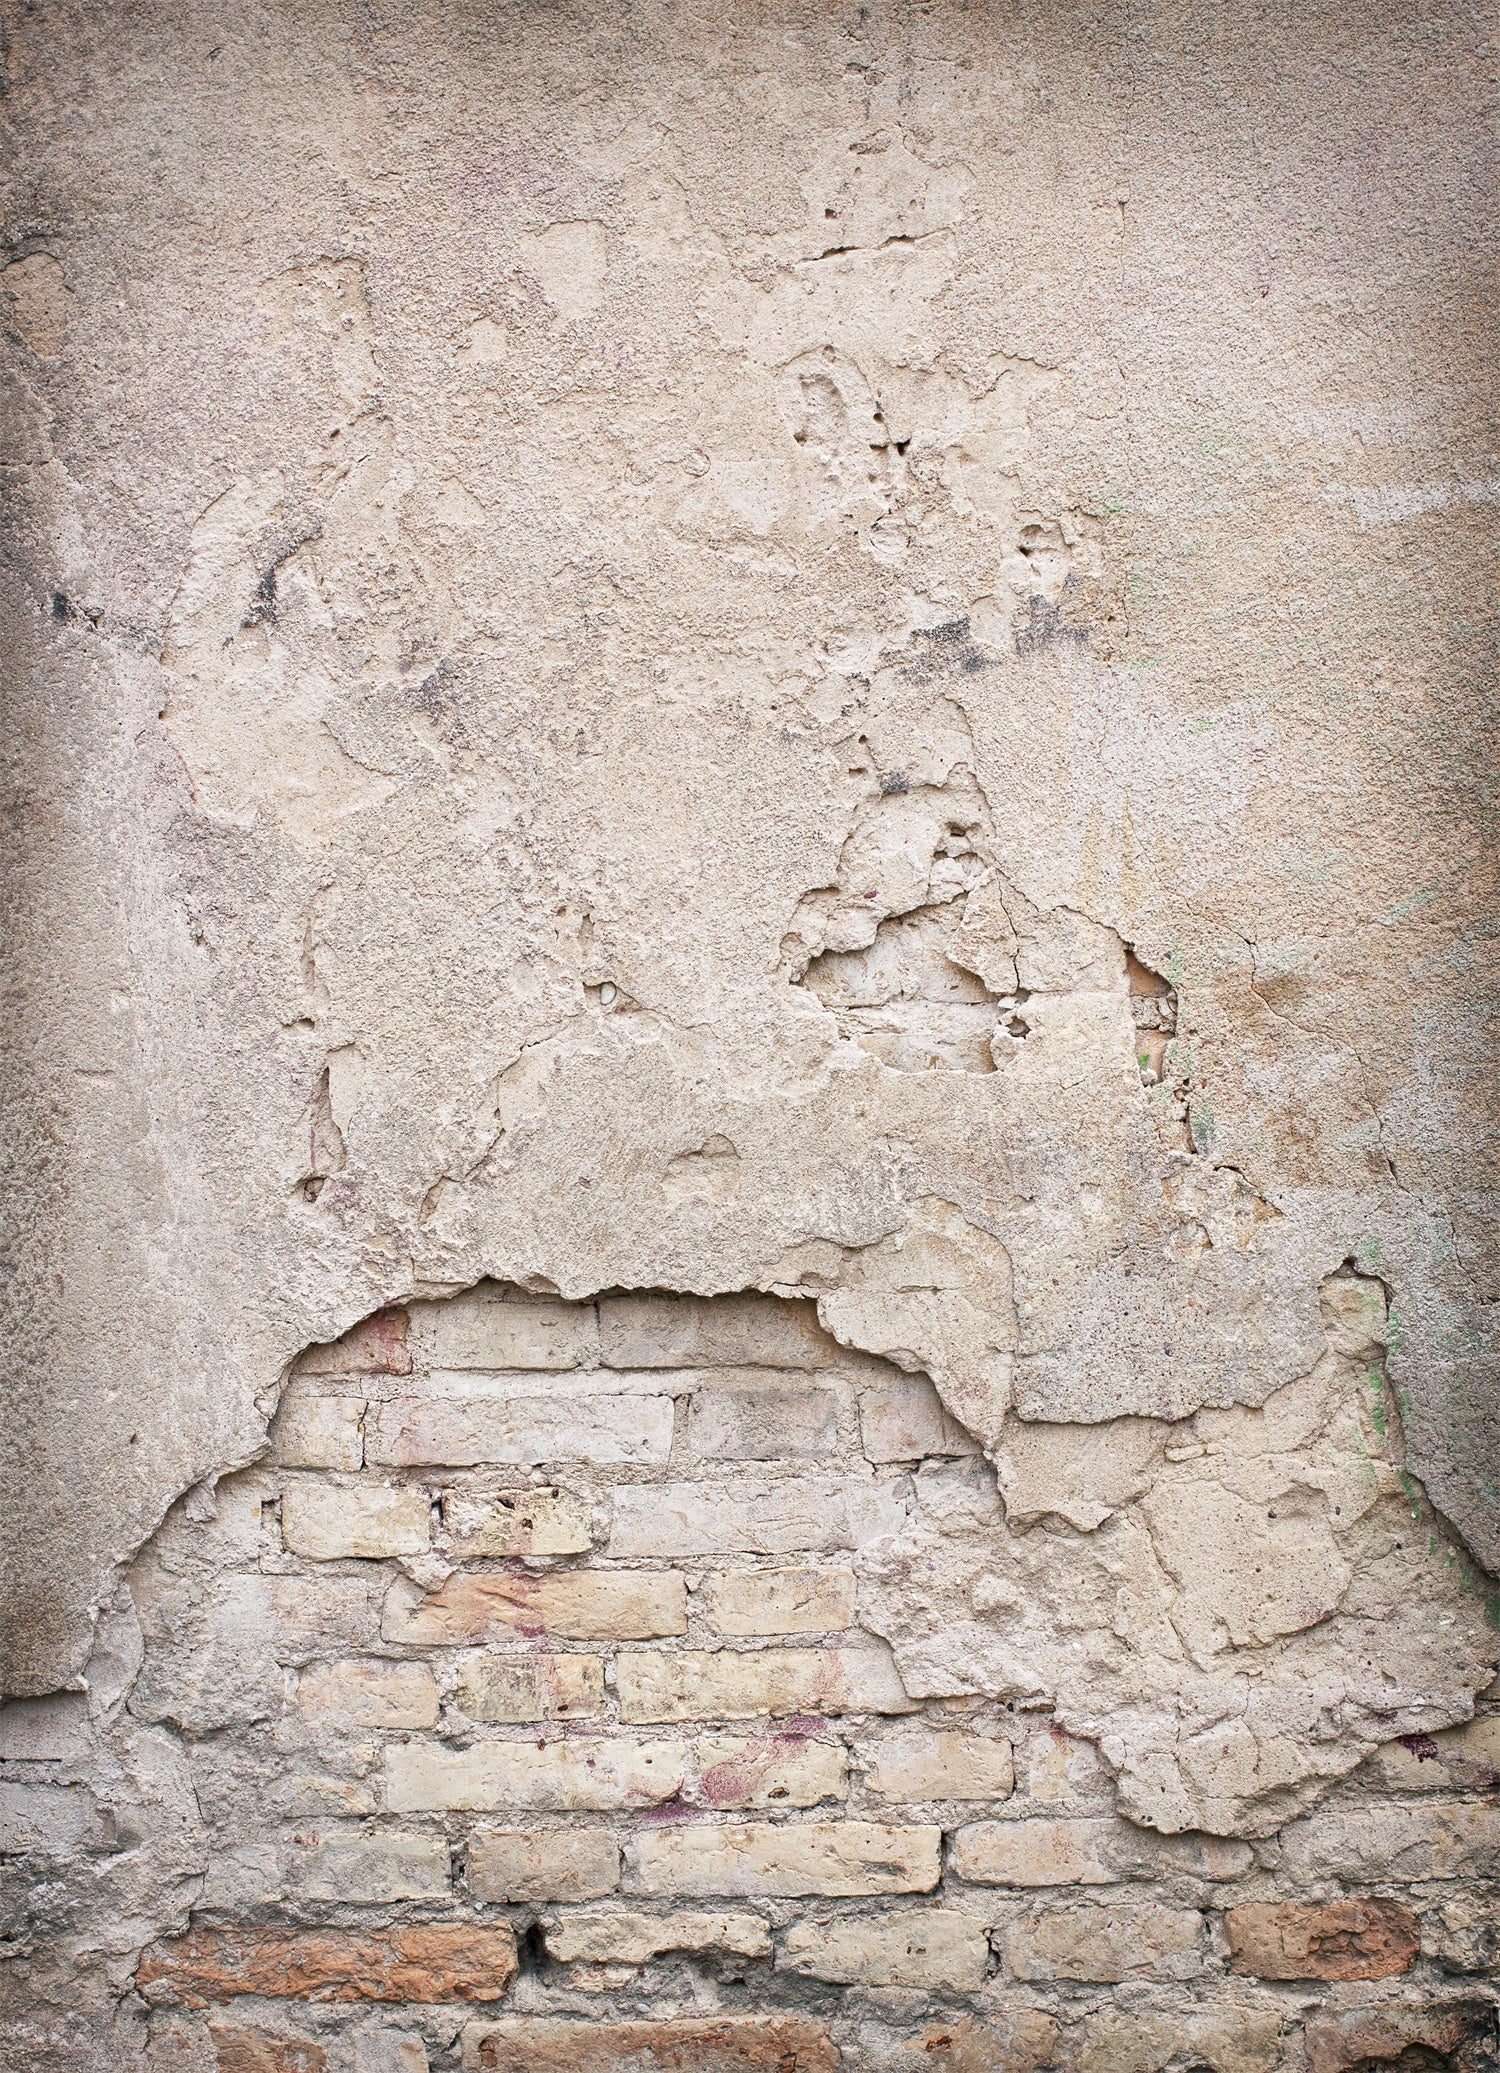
point(539, 1674)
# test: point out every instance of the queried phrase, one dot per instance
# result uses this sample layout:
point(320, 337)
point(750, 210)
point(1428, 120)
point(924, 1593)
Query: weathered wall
point(836, 652)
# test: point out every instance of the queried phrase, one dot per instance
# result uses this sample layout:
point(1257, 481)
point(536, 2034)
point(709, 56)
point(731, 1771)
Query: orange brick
point(438, 1962)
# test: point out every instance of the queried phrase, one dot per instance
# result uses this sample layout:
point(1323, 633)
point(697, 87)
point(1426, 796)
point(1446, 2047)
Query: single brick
point(838, 1859)
point(377, 1346)
point(745, 1331)
point(296, 1615)
point(1107, 1943)
point(802, 1514)
point(517, 1522)
point(520, 1432)
point(735, 1684)
point(257, 2051)
point(1412, 2034)
point(1228, 2036)
point(390, 2051)
point(50, 1820)
point(436, 1962)
point(1396, 1844)
point(904, 1420)
point(634, 1939)
point(561, 1777)
point(946, 1765)
point(1460, 1759)
point(50, 1730)
point(699, 2044)
point(515, 1688)
point(331, 1521)
point(1037, 1852)
point(568, 1864)
point(904, 1947)
point(755, 1422)
point(575, 1604)
point(768, 1771)
point(358, 1865)
point(1008, 2039)
point(1340, 1939)
point(753, 1602)
point(372, 1694)
point(319, 1431)
point(530, 1332)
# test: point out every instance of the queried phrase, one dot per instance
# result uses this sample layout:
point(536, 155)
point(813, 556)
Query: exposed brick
point(314, 1431)
point(517, 1522)
point(751, 1602)
point(377, 1346)
point(50, 1820)
point(296, 1615)
point(755, 1422)
point(258, 2051)
point(1461, 1759)
point(1044, 1851)
point(332, 1521)
point(838, 1859)
point(1340, 1939)
point(50, 1730)
point(390, 2051)
point(947, 1765)
point(1009, 2039)
point(515, 1688)
point(359, 1865)
point(904, 1420)
point(525, 1333)
point(905, 1947)
point(563, 1777)
point(1392, 1845)
point(767, 1771)
point(1107, 1943)
point(567, 1864)
point(438, 1962)
point(520, 1431)
point(372, 1694)
point(574, 1604)
point(1227, 2036)
point(1415, 2035)
point(740, 1684)
point(713, 2044)
point(745, 1331)
point(803, 1514)
point(634, 1939)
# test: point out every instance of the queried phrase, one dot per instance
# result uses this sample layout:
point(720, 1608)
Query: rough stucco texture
point(843, 652)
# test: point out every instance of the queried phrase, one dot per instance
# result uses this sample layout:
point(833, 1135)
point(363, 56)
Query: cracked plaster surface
point(530, 546)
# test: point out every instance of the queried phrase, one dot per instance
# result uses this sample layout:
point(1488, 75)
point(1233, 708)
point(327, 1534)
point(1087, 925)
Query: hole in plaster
point(1153, 1010)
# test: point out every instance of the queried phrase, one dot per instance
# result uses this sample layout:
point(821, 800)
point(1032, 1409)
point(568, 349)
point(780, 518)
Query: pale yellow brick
point(904, 1420)
point(1109, 1944)
point(767, 1771)
point(573, 1604)
point(944, 1765)
point(634, 1939)
point(360, 1865)
point(1227, 2036)
point(567, 1864)
point(331, 1521)
point(517, 1522)
point(753, 1331)
point(1038, 1852)
point(901, 1947)
point(529, 1332)
point(743, 1684)
point(760, 1422)
point(791, 1516)
point(561, 1777)
point(319, 1431)
point(750, 1602)
point(1458, 1759)
point(838, 1859)
point(369, 1695)
point(514, 1688)
point(1434, 1840)
point(466, 1431)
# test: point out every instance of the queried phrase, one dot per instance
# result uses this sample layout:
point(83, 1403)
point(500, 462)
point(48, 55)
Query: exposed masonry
point(528, 1708)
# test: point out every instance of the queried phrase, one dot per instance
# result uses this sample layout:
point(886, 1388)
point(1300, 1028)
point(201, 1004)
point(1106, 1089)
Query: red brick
point(1342, 1939)
point(437, 1962)
point(722, 2044)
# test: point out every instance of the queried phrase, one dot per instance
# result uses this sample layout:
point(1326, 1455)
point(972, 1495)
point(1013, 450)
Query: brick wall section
point(535, 1643)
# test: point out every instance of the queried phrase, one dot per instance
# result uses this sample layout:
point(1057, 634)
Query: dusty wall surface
point(836, 661)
